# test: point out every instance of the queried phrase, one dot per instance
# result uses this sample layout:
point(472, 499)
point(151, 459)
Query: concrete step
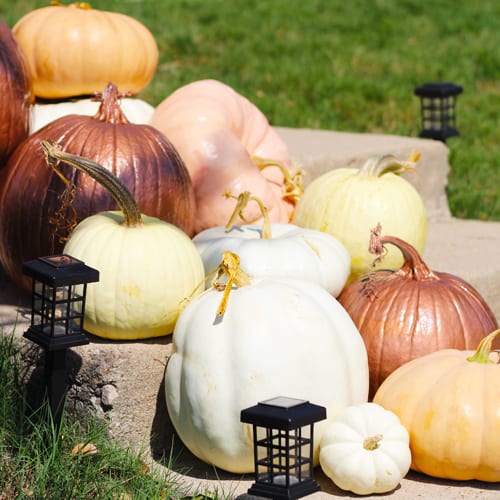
point(469, 249)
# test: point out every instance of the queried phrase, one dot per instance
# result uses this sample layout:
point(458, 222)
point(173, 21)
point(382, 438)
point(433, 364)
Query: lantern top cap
point(438, 89)
point(283, 413)
point(60, 270)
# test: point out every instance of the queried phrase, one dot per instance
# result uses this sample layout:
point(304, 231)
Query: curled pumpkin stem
point(293, 185)
point(119, 192)
point(229, 267)
point(242, 201)
point(482, 354)
point(379, 165)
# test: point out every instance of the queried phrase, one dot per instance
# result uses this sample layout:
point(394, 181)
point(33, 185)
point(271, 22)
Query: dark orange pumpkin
point(413, 311)
point(35, 220)
point(15, 94)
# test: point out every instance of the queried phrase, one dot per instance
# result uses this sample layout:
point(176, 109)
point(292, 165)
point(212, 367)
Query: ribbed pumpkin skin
point(15, 94)
point(408, 313)
point(451, 408)
point(73, 51)
point(139, 155)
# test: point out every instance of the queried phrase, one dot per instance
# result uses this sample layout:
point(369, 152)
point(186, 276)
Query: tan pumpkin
point(74, 50)
point(15, 93)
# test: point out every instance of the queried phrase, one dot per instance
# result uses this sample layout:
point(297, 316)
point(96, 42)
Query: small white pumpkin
point(278, 249)
point(136, 110)
point(249, 341)
point(365, 449)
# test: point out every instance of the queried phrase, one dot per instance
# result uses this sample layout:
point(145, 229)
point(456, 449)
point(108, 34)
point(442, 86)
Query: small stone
point(108, 395)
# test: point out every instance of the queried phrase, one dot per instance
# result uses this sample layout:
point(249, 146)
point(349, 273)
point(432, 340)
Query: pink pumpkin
point(221, 135)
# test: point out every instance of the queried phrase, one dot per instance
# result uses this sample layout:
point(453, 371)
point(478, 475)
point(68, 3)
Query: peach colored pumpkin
point(218, 134)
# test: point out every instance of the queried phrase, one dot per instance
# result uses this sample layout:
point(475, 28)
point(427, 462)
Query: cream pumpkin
point(148, 268)
point(349, 202)
point(273, 336)
point(135, 110)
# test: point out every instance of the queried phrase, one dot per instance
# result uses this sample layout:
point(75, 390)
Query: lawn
point(347, 66)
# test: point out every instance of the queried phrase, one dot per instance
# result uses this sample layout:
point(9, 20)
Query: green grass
point(36, 460)
point(347, 66)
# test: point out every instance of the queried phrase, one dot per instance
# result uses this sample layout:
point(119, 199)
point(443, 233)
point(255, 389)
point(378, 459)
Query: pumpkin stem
point(78, 5)
point(122, 196)
point(373, 442)
point(482, 354)
point(230, 267)
point(242, 201)
point(110, 111)
point(377, 166)
point(293, 186)
point(413, 264)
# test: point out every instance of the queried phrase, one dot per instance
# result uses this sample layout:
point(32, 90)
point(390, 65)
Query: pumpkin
point(413, 311)
point(30, 193)
point(15, 94)
point(276, 249)
point(148, 268)
point(228, 145)
point(74, 50)
point(251, 339)
point(449, 401)
point(135, 110)
point(365, 449)
point(348, 202)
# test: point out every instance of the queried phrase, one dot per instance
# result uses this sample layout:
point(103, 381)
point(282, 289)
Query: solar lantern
point(59, 286)
point(438, 103)
point(283, 446)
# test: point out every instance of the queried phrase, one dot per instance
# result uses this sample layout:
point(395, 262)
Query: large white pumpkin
point(277, 337)
point(291, 251)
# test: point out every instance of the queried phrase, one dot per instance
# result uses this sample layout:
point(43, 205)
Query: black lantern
point(283, 446)
point(57, 312)
point(438, 101)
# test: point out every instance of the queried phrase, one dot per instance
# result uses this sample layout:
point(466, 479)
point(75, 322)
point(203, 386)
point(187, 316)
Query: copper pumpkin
point(413, 311)
point(15, 94)
point(35, 220)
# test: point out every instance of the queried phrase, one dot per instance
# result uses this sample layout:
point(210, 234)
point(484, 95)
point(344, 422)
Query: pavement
point(466, 248)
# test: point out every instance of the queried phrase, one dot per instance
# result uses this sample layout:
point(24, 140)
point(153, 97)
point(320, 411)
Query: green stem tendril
point(482, 354)
point(379, 165)
point(119, 192)
point(242, 201)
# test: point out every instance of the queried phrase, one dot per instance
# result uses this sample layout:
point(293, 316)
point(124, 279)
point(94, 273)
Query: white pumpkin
point(136, 110)
point(365, 449)
point(277, 337)
point(291, 251)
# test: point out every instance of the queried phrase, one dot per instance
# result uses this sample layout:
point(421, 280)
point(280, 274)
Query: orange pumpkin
point(74, 50)
point(449, 401)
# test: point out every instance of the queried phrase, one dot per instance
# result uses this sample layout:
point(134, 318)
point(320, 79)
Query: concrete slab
point(318, 151)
